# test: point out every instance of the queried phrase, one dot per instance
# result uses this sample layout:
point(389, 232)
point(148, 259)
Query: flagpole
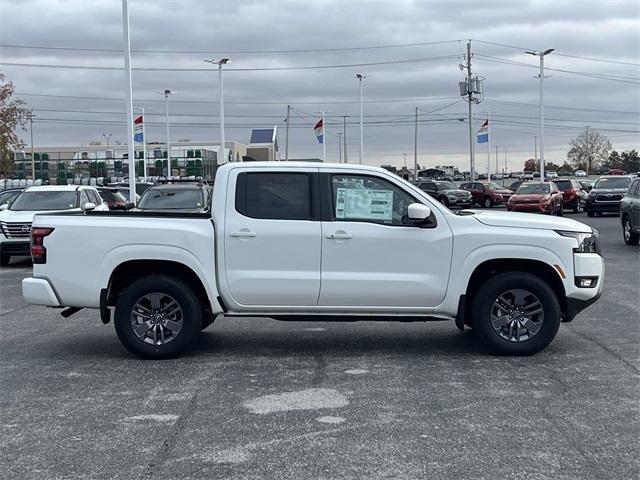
point(324, 140)
point(488, 146)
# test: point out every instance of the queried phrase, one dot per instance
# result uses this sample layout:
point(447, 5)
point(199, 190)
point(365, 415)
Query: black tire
point(486, 295)
point(630, 237)
point(488, 202)
point(578, 207)
point(560, 211)
point(4, 260)
point(187, 301)
point(591, 213)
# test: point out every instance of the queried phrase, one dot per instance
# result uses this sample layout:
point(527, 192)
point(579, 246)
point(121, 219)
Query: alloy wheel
point(627, 230)
point(517, 315)
point(156, 318)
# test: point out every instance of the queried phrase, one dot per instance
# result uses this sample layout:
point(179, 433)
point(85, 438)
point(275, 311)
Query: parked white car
point(580, 173)
point(301, 241)
point(16, 218)
point(551, 174)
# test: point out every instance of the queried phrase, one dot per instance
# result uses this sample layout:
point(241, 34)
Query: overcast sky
point(602, 94)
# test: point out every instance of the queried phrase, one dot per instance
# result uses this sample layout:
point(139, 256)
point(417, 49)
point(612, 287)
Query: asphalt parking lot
point(266, 399)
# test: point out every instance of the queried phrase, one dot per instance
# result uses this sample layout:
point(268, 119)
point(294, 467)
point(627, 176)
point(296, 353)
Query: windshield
point(51, 200)
point(170, 199)
point(7, 197)
point(446, 186)
point(612, 182)
point(491, 186)
point(563, 183)
point(533, 188)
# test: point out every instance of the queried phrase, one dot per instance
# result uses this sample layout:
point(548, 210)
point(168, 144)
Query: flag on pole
point(319, 131)
point(483, 133)
point(138, 127)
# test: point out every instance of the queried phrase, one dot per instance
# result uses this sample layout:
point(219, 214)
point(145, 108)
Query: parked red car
point(539, 197)
point(573, 194)
point(616, 171)
point(487, 194)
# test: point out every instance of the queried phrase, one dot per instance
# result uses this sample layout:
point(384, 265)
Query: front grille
point(16, 230)
point(608, 198)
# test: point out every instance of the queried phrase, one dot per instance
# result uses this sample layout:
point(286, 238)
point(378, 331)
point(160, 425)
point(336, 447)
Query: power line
point(593, 59)
point(230, 52)
point(205, 69)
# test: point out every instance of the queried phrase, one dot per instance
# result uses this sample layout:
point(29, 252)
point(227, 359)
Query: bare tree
point(589, 150)
point(13, 114)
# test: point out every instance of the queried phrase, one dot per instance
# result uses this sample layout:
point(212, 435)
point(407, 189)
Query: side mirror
point(417, 212)
point(88, 206)
point(4, 206)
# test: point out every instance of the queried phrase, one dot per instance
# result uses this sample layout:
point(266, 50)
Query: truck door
point(370, 256)
point(272, 238)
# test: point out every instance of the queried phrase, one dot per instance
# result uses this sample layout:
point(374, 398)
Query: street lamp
point(220, 63)
point(107, 137)
point(361, 77)
point(166, 93)
point(541, 54)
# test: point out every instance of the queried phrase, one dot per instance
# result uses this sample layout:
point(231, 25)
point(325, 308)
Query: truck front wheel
point(158, 317)
point(516, 313)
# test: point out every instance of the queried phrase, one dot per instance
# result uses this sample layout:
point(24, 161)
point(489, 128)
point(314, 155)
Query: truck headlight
point(587, 242)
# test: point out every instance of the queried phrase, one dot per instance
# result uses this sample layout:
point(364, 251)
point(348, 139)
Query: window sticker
point(364, 204)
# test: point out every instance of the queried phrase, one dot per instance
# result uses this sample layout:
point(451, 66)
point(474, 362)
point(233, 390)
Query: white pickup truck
point(301, 241)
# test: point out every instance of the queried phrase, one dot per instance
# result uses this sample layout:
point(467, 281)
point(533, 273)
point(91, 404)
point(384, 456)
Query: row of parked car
point(608, 194)
point(18, 206)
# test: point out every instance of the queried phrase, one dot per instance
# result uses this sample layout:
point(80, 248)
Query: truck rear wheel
point(158, 317)
point(516, 313)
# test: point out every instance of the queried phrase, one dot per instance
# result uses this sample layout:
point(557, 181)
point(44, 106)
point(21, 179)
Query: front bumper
point(11, 246)
point(460, 201)
point(613, 206)
point(38, 291)
point(530, 207)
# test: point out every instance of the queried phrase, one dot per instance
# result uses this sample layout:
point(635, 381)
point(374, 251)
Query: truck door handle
point(339, 235)
point(243, 233)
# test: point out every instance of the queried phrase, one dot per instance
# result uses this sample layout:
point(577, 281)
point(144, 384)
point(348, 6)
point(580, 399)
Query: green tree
point(589, 150)
point(13, 115)
point(614, 160)
point(531, 165)
point(630, 161)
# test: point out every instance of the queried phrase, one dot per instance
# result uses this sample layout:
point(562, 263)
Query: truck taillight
point(38, 250)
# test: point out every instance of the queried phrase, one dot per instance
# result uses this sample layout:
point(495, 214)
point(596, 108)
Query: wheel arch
point(129, 271)
point(538, 268)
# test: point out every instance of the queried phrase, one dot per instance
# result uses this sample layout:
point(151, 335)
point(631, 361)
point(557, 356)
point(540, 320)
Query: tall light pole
point(339, 146)
point(541, 54)
point(535, 149)
point(221, 63)
point(361, 77)
point(144, 146)
point(33, 161)
point(129, 88)
point(107, 137)
point(166, 92)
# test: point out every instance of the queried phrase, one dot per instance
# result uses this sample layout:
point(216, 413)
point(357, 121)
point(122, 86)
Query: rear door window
point(274, 196)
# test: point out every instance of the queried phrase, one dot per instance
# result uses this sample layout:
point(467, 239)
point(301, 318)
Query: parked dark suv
point(606, 194)
point(446, 193)
point(176, 196)
point(487, 194)
point(573, 195)
point(630, 214)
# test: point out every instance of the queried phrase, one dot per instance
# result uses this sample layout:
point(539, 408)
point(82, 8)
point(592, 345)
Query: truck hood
point(26, 216)
point(528, 220)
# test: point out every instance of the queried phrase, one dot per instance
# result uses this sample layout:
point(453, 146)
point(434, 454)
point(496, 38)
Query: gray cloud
point(606, 30)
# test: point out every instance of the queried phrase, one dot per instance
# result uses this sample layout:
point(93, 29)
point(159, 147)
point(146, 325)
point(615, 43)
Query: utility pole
point(166, 92)
point(405, 159)
point(472, 165)
point(489, 147)
point(222, 62)
point(129, 95)
point(497, 169)
point(505, 166)
point(344, 135)
point(340, 146)
point(415, 147)
point(588, 152)
point(535, 150)
point(33, 161)
point(286, 137)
